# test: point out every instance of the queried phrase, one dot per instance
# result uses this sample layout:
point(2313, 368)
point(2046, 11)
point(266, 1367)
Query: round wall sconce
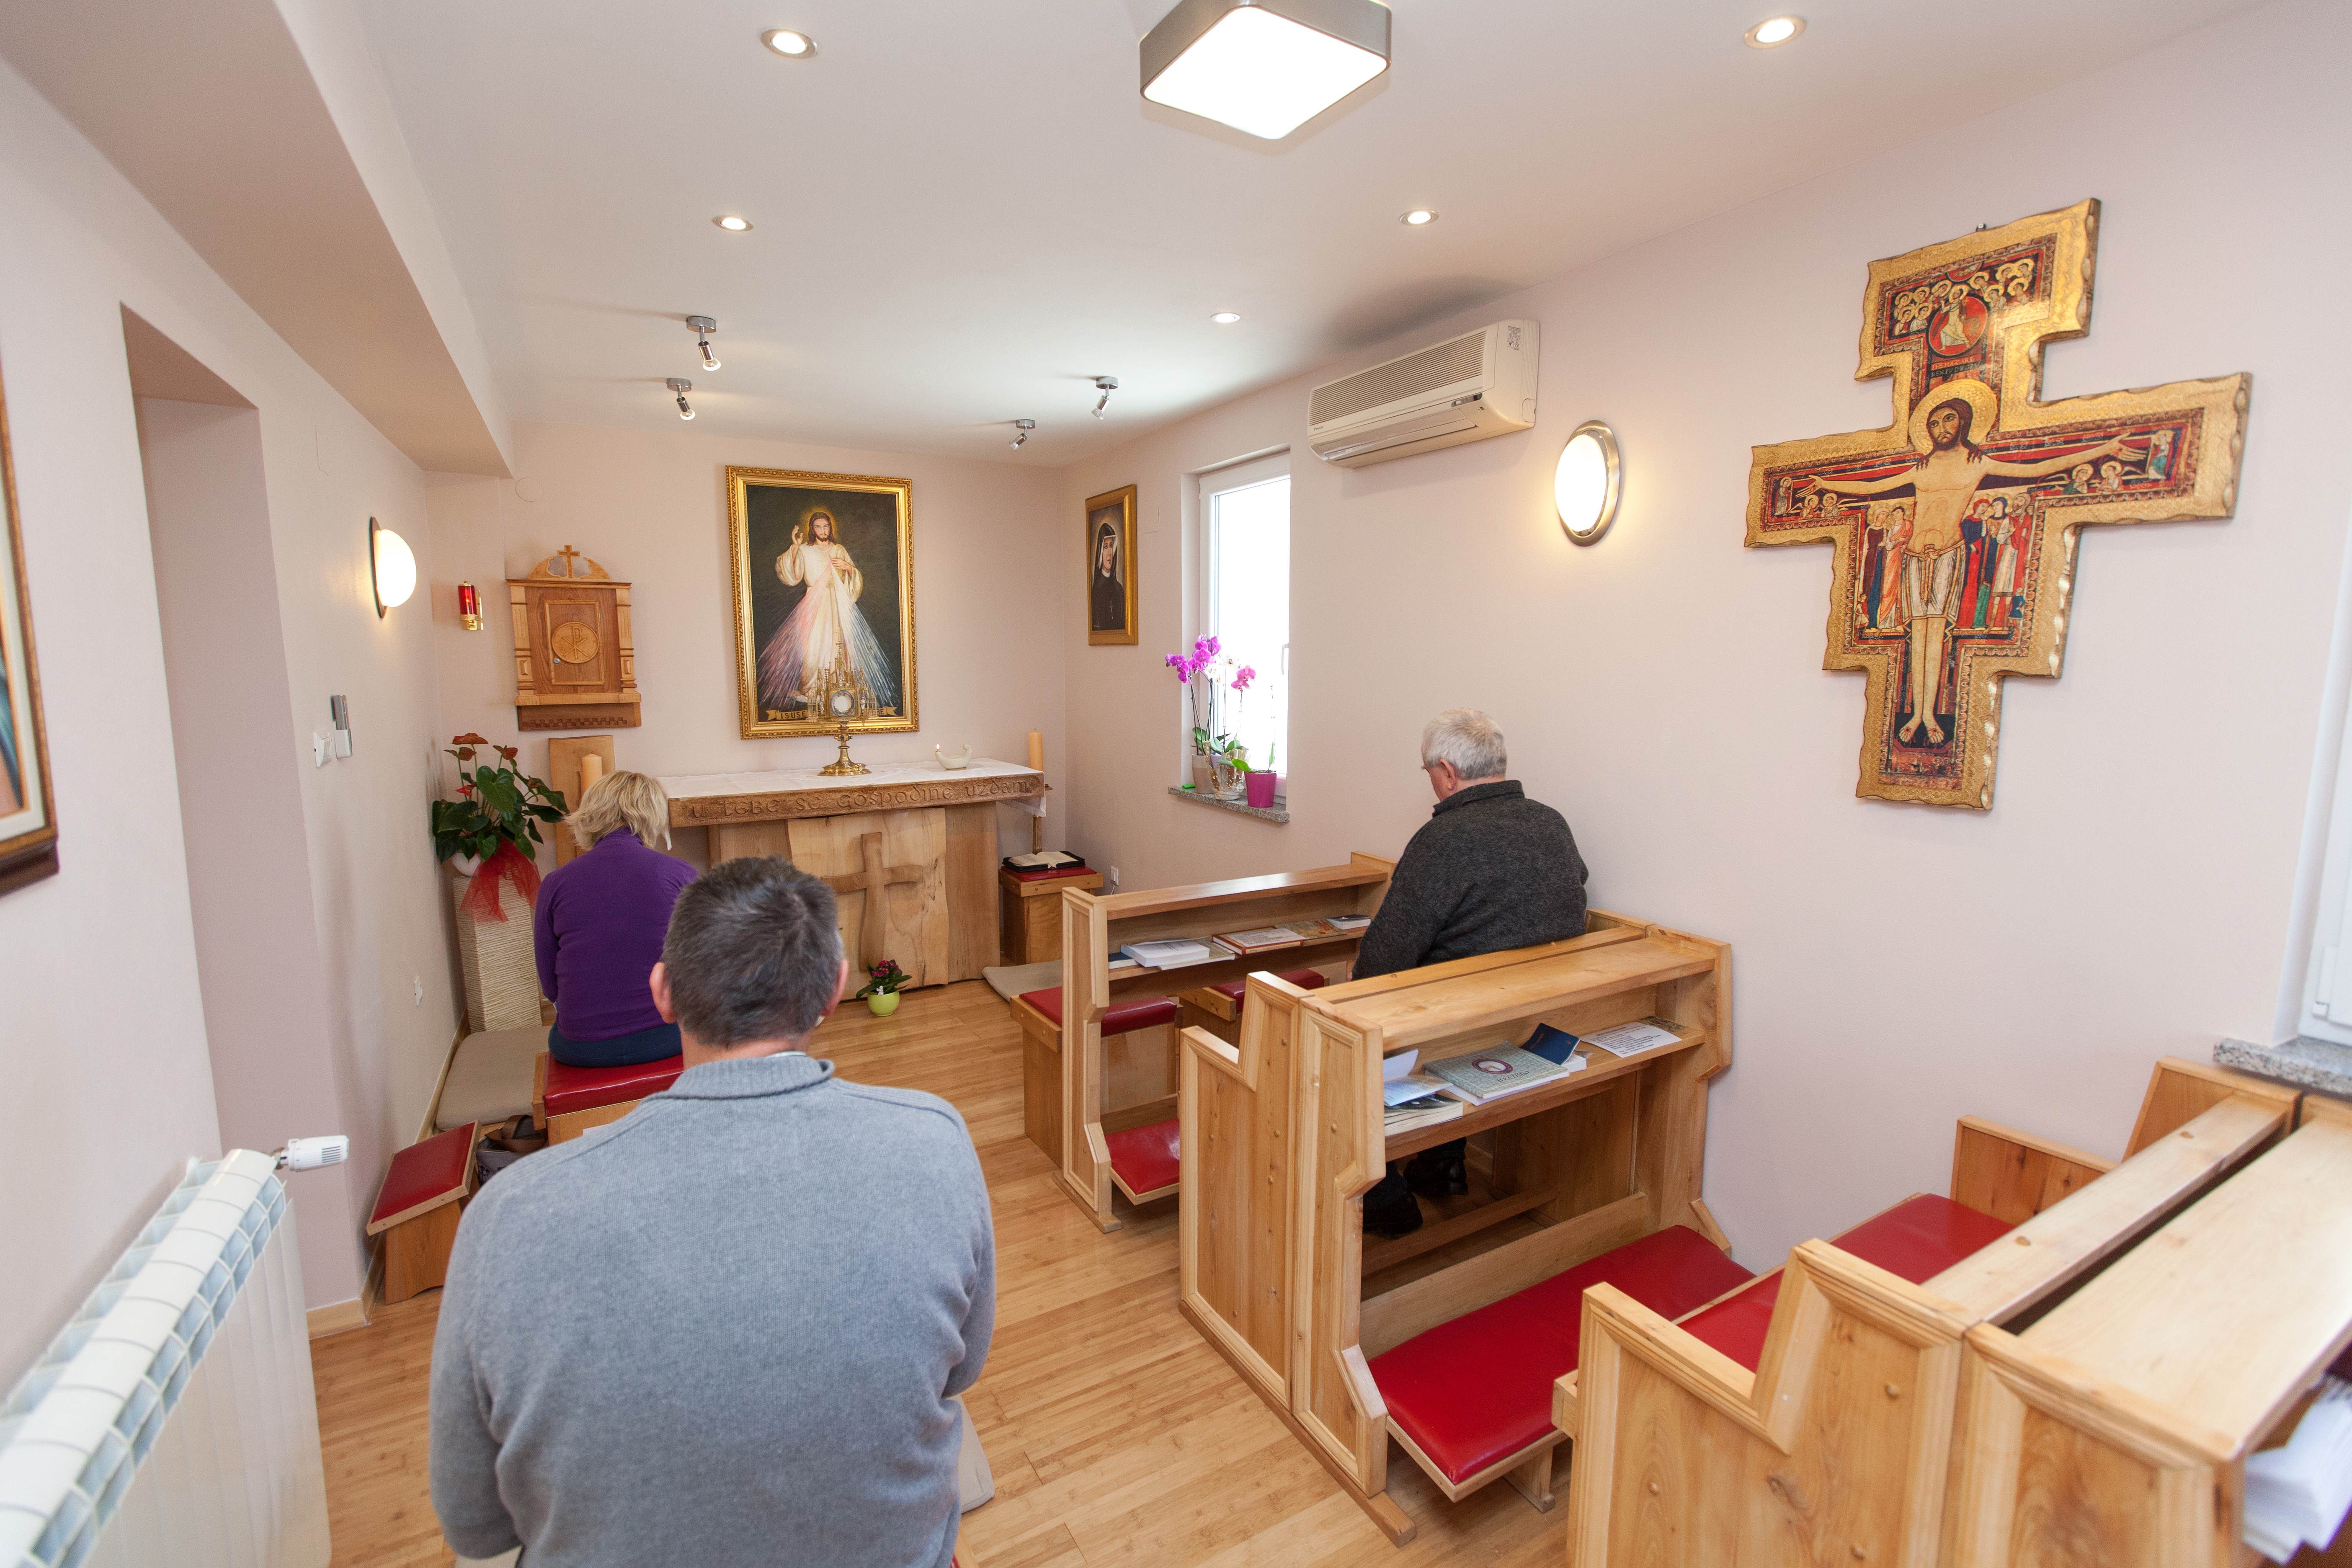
point(1584, 486)
point(392, 568)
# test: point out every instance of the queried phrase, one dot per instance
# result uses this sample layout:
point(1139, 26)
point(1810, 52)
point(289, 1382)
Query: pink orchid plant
point(1203, 671)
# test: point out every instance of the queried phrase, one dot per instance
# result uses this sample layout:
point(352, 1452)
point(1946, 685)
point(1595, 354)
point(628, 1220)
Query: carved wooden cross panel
point(874, 880)
point(1955, 526)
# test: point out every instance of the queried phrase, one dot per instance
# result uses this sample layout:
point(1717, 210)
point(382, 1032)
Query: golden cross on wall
point(874, 880)
point(1955, 527)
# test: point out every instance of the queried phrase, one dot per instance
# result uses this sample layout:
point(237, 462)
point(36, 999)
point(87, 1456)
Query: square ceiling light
point(1265, 66)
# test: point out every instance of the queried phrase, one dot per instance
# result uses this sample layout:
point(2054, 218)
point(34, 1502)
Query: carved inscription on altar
point(1955, 527)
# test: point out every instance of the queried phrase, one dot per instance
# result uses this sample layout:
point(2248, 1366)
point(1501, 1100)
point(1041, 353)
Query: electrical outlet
point(1111, 876)
point(318, 750)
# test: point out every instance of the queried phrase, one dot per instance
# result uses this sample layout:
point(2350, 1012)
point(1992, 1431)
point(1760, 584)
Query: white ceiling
point(965, 211)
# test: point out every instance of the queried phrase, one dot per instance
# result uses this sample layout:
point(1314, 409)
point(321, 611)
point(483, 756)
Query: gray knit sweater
point(1489, 870)
point(720, 1331)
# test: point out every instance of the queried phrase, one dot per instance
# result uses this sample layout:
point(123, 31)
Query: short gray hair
point(1467, 739)
point(753, 952)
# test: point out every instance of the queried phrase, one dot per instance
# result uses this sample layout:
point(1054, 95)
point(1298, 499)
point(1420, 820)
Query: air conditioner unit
point(1467, 388)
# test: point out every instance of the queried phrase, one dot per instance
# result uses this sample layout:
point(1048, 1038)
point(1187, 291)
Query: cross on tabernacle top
point(570, 555)
point(873, 879)
point(1955, 527)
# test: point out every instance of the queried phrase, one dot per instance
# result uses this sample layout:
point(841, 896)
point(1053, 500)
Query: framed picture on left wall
point(29, 818)
point(1111, 567)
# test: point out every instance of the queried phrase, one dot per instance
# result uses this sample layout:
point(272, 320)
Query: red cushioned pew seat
point(1918, 1239)
point(1471, 1393)
point(1128, 1015)
point(1233, 991)
point(1143, 1160)
point(568, 1101)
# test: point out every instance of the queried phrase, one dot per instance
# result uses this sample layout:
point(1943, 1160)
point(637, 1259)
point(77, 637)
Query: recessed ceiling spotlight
point(1226, 318)
point(790, 45)
point(732, 224)
point(1774, 31)
point(1419, 217)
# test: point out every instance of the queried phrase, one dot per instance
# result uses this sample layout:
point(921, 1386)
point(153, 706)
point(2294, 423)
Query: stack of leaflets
point(1483, 1076)
point(1171, 954)
point(2299, 1493)
point(1411, 1099)
point(1632, 1039)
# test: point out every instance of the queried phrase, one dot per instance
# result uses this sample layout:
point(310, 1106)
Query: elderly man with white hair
point(1490, 871)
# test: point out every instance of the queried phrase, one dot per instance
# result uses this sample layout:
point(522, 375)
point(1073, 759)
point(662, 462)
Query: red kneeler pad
point(1122, 1019)
point(570, 1088)
point(1478, 1389)
point(1918, 1239)
point(1305, 979)
point(1144, 1159)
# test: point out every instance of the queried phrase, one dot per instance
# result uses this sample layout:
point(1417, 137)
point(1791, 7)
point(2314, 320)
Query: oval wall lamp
point(392, 568)
point(1584, 486)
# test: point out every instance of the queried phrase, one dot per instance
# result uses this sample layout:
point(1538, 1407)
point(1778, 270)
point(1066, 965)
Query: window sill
point(1277, 813)
point(2302, 1062)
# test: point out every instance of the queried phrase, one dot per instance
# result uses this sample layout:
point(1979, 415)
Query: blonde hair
point(621, 800)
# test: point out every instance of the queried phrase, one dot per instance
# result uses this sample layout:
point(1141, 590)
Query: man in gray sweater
point(725, 1329)
point(1489, 871)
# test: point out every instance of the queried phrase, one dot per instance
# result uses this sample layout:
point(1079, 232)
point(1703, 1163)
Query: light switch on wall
point(318, 750)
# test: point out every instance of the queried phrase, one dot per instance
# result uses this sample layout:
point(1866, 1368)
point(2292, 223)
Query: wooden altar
point(930, 874)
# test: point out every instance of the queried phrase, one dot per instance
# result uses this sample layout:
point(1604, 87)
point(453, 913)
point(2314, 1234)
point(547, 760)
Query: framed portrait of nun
point(824, 601)
point(1111, 567)
point(28, 820)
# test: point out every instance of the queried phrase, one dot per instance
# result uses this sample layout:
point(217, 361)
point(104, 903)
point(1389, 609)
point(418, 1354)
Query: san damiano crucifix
point(1956, 525)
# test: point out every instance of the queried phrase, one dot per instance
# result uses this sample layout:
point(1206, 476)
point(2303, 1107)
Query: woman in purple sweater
point(599, 923)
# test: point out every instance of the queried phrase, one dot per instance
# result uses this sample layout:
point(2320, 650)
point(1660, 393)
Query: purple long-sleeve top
point(599, 926)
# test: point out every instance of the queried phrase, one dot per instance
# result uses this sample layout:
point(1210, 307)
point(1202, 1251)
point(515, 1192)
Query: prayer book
point(1043, 859)
point(1315, 931)
point(1491, 1074)
point(1265, 939)
point(1552, 1044)
point(1631, 1039)
point(1170, 954)
point(1420, 1112)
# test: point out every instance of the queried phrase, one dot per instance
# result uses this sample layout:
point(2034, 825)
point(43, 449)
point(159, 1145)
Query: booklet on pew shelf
point(1631, 1039)
point(1247, 943)
point(1504, 1069)
point(1171, 954)
point(2299, 1493)
point(1427, 1107)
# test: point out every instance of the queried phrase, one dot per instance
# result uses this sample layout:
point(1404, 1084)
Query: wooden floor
point(1115, 1434)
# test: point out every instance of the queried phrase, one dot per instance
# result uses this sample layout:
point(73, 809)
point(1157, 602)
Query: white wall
point(103, 1050)
point(1897, 966)
point(652, 509)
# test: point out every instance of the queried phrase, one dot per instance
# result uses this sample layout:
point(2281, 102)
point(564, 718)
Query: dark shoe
point(1389, 1209)
point(1435, 1174)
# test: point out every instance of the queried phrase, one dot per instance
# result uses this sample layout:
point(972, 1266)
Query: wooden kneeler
point(417, 1210)
point(1841, 1437)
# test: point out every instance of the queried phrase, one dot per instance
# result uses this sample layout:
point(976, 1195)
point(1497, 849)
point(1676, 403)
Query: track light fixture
point(1108, 384)
point(1021, 431)
point(703, 327)
point(682, 386)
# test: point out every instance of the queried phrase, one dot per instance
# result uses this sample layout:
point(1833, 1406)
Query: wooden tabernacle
point(1877, 1406)
point(1075, 1094)
point(1283, 1134)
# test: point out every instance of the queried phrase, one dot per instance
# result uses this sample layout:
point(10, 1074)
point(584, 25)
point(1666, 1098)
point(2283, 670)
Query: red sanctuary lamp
point(469, 607)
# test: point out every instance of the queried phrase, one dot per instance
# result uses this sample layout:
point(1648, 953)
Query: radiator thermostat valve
point(310, 1154)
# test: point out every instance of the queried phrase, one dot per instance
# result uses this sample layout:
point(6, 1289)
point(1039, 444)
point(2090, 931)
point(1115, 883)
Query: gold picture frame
point(1110, 587)
point(860, 635)
point(28, 817)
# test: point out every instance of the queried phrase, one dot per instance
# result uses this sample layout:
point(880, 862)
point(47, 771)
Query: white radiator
point(171, 1423)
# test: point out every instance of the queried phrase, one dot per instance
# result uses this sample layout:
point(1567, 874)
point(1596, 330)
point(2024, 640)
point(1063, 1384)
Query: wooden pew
point(1129, 1085)
point(1838, 1443)
point(1282, 1135)
point(2124, 1415)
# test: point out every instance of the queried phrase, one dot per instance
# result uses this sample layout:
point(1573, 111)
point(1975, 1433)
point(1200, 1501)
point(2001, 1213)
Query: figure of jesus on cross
point(1955, 570)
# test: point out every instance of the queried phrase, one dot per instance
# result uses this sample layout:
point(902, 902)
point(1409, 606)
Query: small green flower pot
point(883, 1004)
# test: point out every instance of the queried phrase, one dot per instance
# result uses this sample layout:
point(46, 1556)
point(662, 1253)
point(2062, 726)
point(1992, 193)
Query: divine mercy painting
point(1955, 527)
point(824, 601)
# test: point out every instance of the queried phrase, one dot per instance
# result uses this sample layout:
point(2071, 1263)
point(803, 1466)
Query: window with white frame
point(1245, 601)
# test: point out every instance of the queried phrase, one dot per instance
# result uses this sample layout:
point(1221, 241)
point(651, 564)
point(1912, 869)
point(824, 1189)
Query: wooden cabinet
point(1029, 924)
